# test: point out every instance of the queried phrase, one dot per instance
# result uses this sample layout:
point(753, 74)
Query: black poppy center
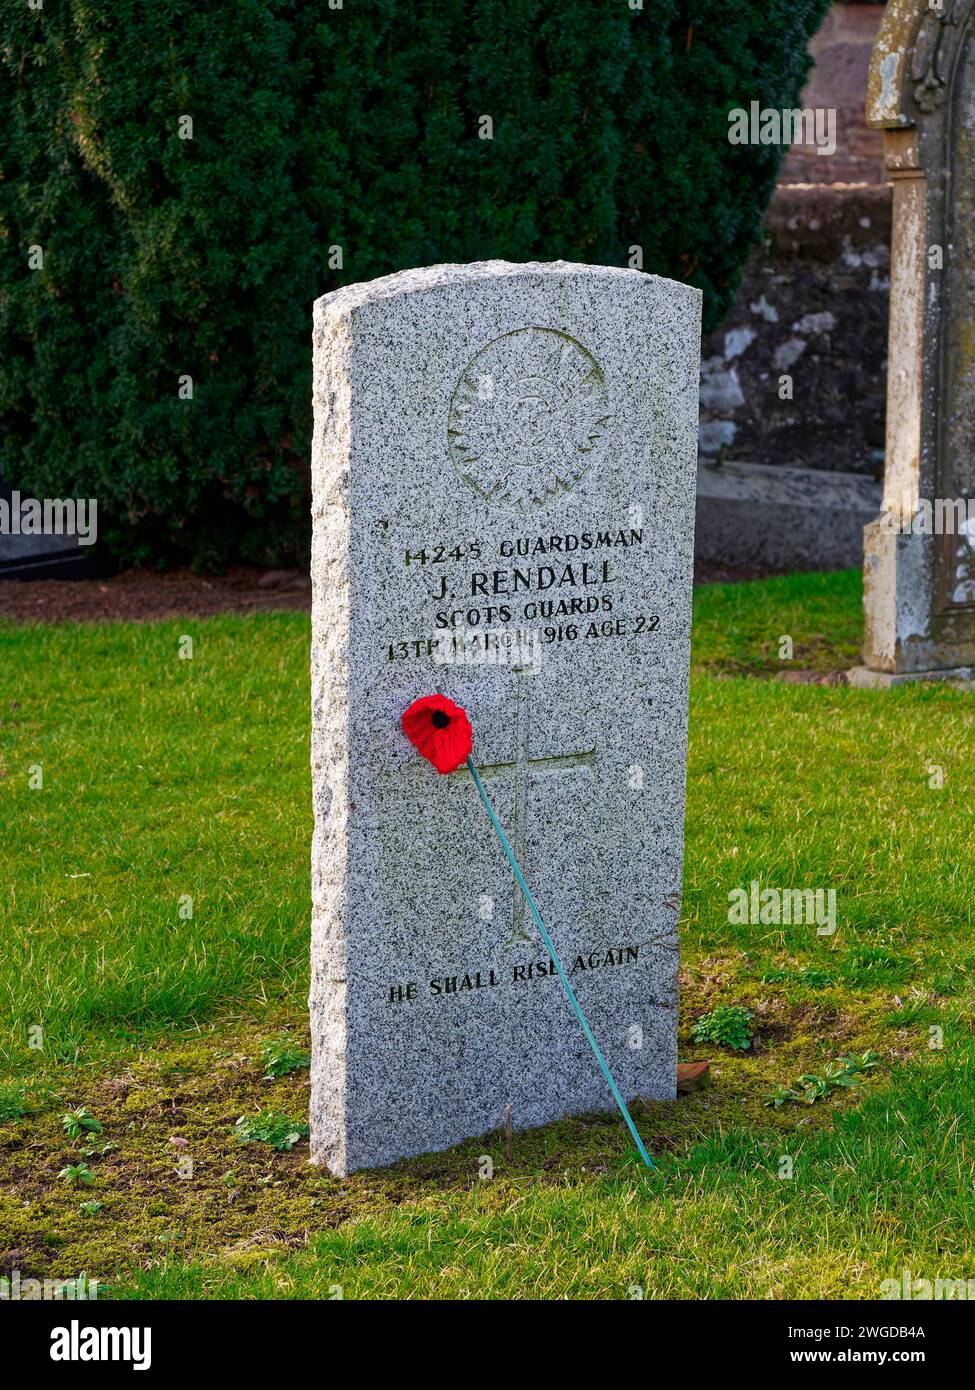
point(440, 719)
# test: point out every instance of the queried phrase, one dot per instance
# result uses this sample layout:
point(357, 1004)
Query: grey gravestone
point(919, 576)
point(503, 471)
point(37, 556)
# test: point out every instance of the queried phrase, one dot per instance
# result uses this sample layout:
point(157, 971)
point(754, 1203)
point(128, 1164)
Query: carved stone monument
point(919, 556)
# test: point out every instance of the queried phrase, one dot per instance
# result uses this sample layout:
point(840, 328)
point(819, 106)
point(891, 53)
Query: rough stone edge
point(330, 659)
point(421, 279)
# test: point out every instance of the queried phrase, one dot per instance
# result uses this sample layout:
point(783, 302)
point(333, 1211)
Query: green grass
point(738, 628)
point(888, 1187)
point(165, 778)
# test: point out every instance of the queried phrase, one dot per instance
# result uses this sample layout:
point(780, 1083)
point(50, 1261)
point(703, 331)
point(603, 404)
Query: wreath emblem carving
point(529, 418)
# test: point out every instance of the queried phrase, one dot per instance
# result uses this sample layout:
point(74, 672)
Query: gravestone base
point(782, 519)
point(865, 679)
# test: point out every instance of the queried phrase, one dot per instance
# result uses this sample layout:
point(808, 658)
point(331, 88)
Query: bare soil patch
point(144, 595)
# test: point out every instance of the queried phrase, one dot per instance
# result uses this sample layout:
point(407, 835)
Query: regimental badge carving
point(529, 418)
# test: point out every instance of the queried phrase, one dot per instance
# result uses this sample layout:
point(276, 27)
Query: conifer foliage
point(155, 352)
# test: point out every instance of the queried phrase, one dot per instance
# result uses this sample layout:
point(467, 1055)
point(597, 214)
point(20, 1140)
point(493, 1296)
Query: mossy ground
point(164, 778)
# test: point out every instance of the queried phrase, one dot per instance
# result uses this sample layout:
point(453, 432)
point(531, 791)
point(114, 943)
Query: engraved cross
point(522, 764)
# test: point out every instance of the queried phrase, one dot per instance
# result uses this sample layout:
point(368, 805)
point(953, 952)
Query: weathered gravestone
point(919, 557)
point(503, 470)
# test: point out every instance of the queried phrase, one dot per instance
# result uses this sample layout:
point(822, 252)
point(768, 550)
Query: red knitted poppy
point(440, 730)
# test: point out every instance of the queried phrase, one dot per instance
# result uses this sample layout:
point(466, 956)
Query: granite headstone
point(503, 472)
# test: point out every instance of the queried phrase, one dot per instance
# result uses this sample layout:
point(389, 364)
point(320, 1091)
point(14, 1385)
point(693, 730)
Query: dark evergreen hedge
point(313, 128)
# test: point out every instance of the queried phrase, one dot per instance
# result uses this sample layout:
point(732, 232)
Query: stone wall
point(813, 299)
point(812, 308)
point(793, 383)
